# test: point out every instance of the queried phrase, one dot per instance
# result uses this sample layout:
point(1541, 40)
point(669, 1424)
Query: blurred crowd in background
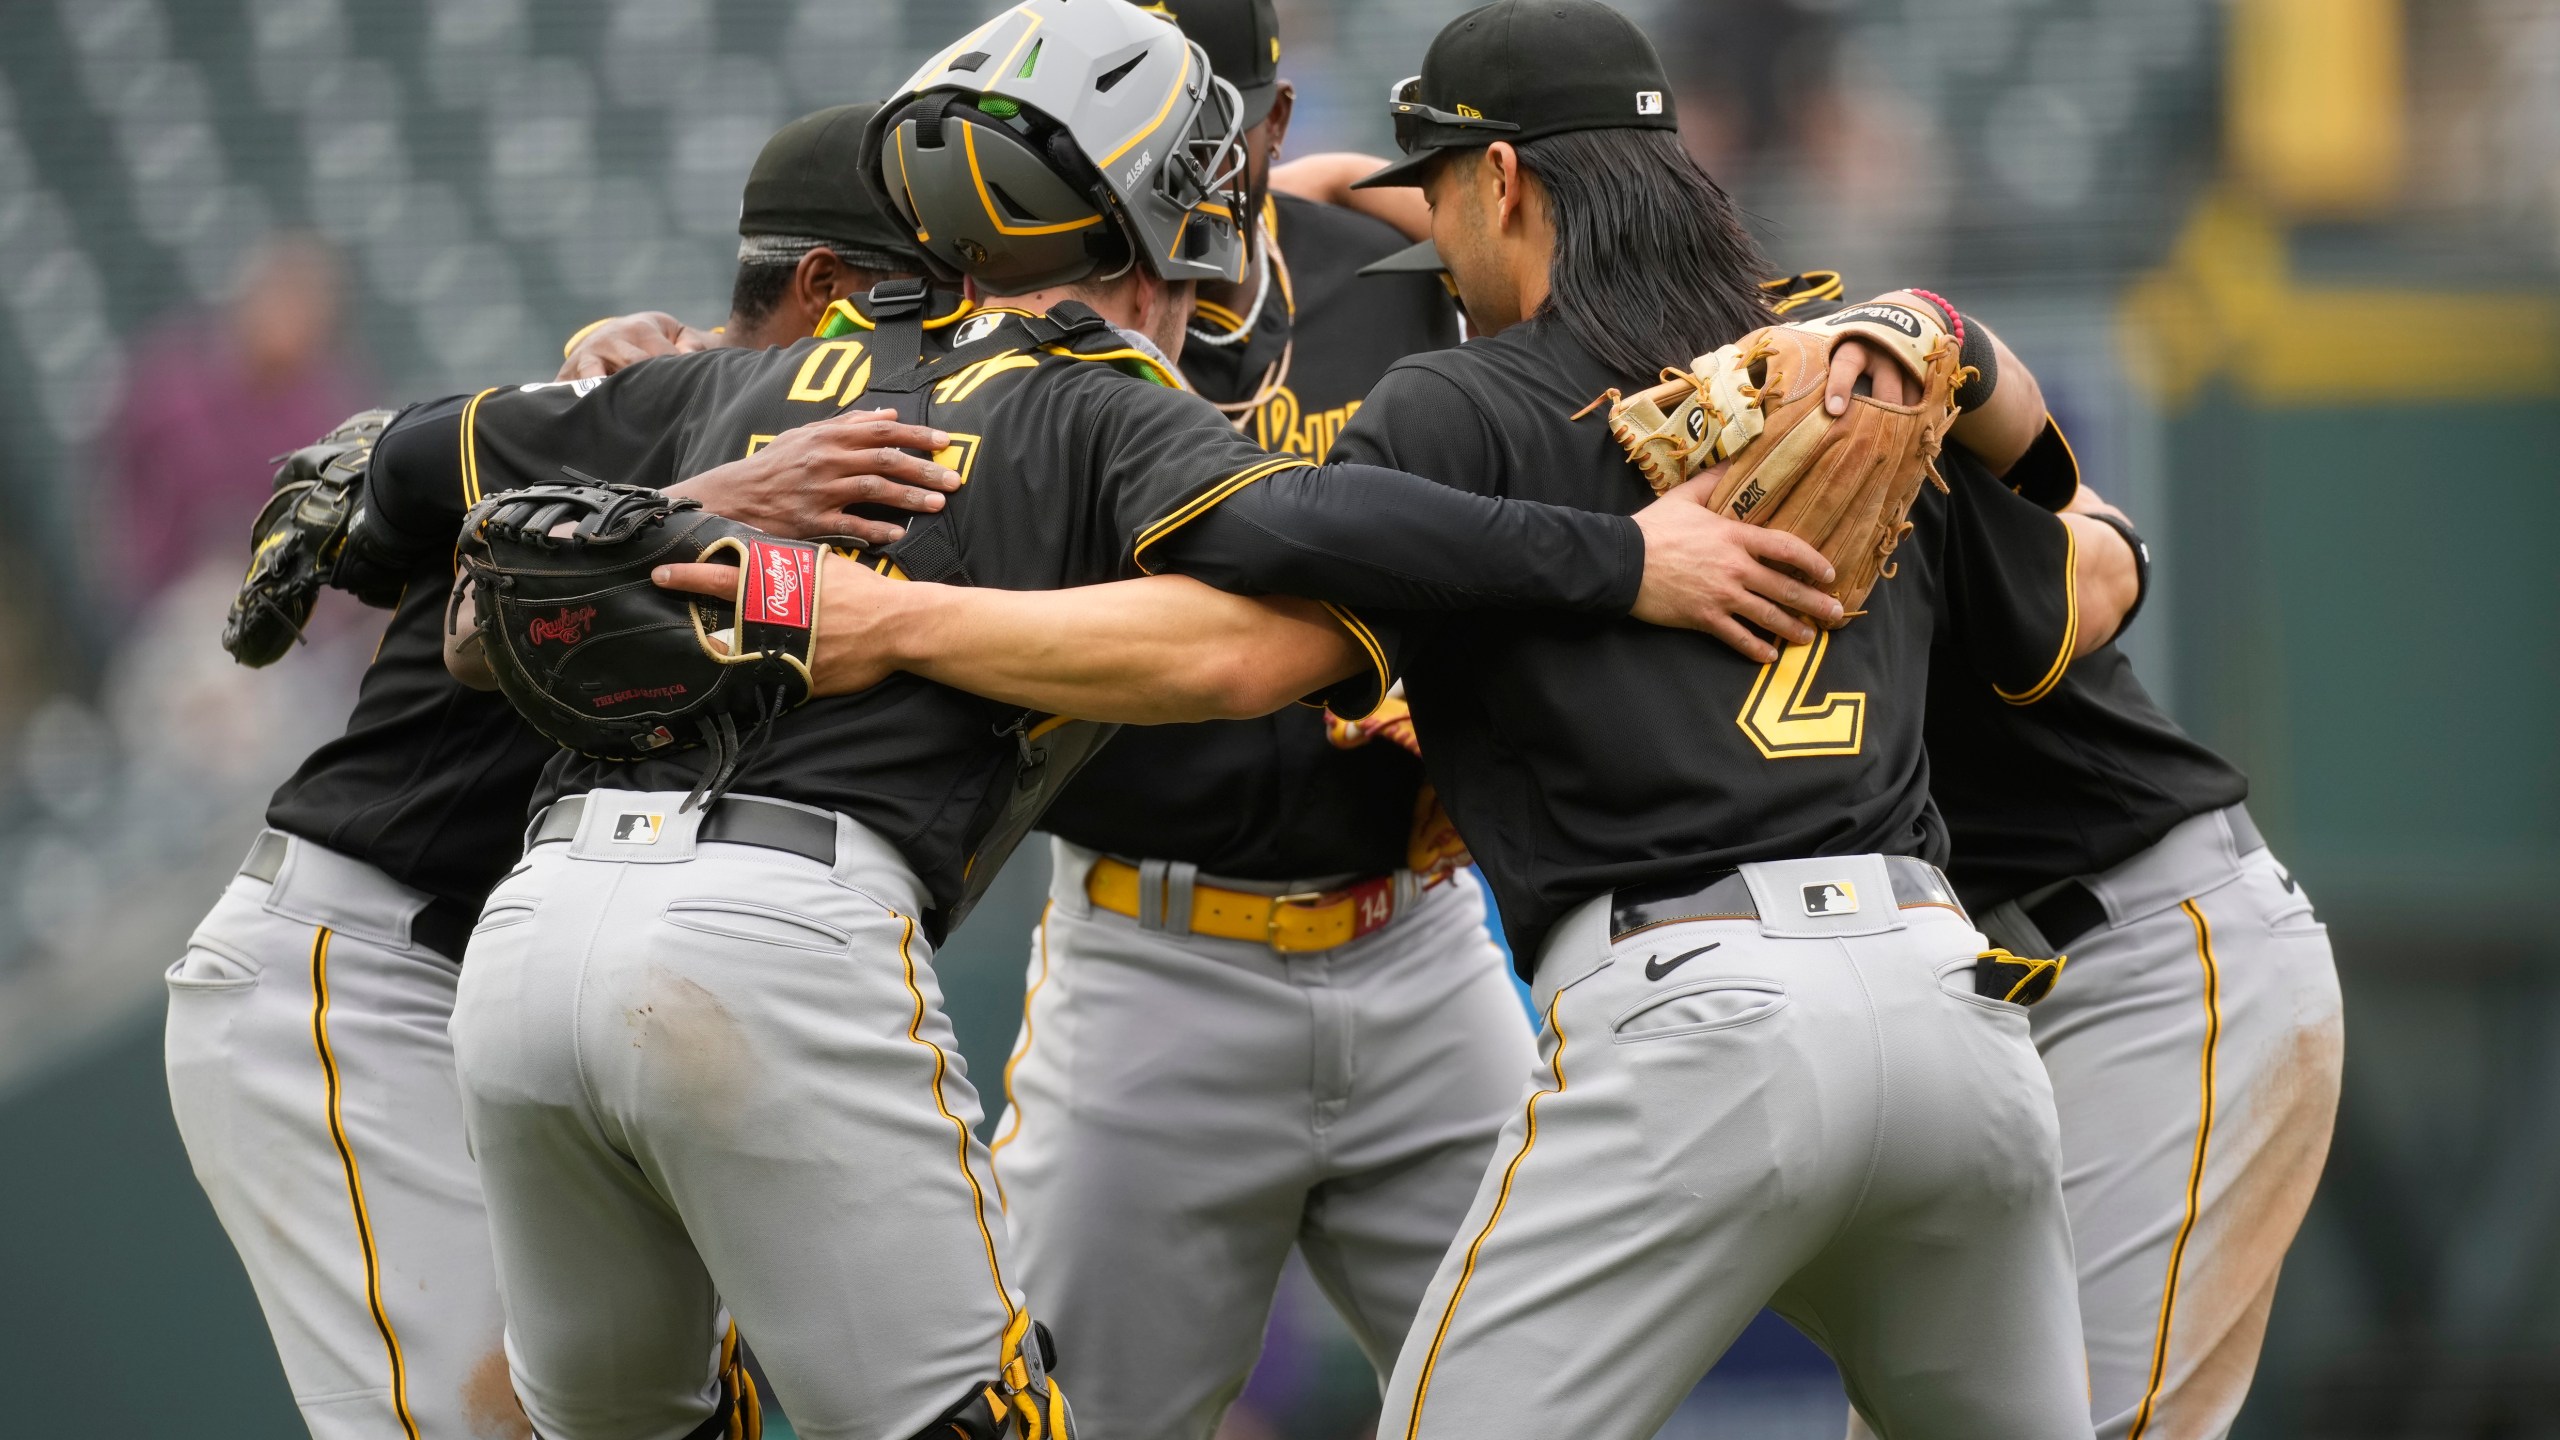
point(224, 224)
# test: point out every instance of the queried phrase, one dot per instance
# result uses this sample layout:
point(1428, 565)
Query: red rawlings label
point(780, 579)
point(567, 627)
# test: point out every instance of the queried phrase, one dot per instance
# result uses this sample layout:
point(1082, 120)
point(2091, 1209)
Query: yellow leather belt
point(1290, 924)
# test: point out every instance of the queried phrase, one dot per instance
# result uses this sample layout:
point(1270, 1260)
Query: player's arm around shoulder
point(1157, 650)
point(619, 341)
point(1327, 180)
point(2011, 432)
point(2109, 567)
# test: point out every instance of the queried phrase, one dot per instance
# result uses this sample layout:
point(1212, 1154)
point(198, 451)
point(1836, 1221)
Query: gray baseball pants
point(1183, 1109)
point(2195, 1042)
point(1809, 1111)
point(707, 1073)
point(312, 1082)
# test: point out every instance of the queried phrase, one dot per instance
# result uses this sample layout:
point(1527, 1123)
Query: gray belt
point(733, 820)
point(2071, 909)
point(1727, 896)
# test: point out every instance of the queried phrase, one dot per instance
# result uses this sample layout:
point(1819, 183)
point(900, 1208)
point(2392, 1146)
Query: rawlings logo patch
point(568, 627)
point(779, 584)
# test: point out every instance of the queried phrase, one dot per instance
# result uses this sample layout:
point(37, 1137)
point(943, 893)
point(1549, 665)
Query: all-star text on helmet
point(1062, 140)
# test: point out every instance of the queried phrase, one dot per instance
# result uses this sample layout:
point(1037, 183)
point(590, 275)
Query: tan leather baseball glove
point(1844, 484)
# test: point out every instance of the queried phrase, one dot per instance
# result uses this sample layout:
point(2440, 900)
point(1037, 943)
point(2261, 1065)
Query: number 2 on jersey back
point(1784, 719)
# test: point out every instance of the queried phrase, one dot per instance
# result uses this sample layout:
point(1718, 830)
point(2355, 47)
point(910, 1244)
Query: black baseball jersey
point(1271, 798)
point(1582, 754)
point(1075, 459)
point(428, 782)
point(2068, 779)
point(2069, 782)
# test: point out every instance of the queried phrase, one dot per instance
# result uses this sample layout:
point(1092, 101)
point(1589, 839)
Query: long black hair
point(1652, 265)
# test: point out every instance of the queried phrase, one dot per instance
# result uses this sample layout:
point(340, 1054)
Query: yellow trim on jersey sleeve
point(1369, 646)
point(1208, 500)
point(2070, 626)
point(471, 448)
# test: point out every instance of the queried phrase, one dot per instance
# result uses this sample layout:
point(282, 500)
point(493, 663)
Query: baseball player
point(1768, 1071)
point(309, 1067)
point(809, 237)
point(670, 1100)
point(1262, 1008)
point(2195, 1048)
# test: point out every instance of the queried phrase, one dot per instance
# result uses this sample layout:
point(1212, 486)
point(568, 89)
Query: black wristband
point(2141, 565)
point(1978, 353)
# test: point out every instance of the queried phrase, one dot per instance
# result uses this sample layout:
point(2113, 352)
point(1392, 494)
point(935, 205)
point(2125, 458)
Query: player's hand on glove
point(609, 345)
point(857, 618)
point(1858, 363)
point(1806, 434)
point(800, 484)
point(1705, 572)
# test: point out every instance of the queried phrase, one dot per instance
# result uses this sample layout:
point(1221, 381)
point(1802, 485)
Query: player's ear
point(818, 279)
point(1275, 125)
point(1501, 176)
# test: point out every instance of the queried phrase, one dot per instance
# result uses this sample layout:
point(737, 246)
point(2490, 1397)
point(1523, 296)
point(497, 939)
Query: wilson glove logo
point(568, 627)
point(1893, 315)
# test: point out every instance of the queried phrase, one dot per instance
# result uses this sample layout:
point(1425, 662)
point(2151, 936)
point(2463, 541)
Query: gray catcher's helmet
point(1057, 139)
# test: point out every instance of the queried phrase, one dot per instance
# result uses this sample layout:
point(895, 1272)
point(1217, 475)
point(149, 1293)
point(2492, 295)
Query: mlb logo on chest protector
point(976, 327)
point(1832, 897)
point(637, 829)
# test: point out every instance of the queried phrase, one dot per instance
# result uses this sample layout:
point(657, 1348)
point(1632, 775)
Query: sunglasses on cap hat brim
point(1423, 131)
point(1410, 115)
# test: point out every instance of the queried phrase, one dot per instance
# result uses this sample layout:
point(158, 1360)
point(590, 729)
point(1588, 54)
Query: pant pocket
point(503, 913)
point(1956, 978)
point(1703, 1005)
point(758, 924)
point(206, 967)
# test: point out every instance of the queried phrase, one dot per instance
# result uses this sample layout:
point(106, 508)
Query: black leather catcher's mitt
point(301, 541)
point(610, 665)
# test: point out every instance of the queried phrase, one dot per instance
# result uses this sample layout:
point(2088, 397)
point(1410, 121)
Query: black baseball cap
point(1522, 70)
point(1242, 38)
point(807, 187)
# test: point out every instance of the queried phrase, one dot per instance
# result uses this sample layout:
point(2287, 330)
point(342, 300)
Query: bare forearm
point(2104, 579)
point(1326, 179)
point(466, 653)
point(1145, 652)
